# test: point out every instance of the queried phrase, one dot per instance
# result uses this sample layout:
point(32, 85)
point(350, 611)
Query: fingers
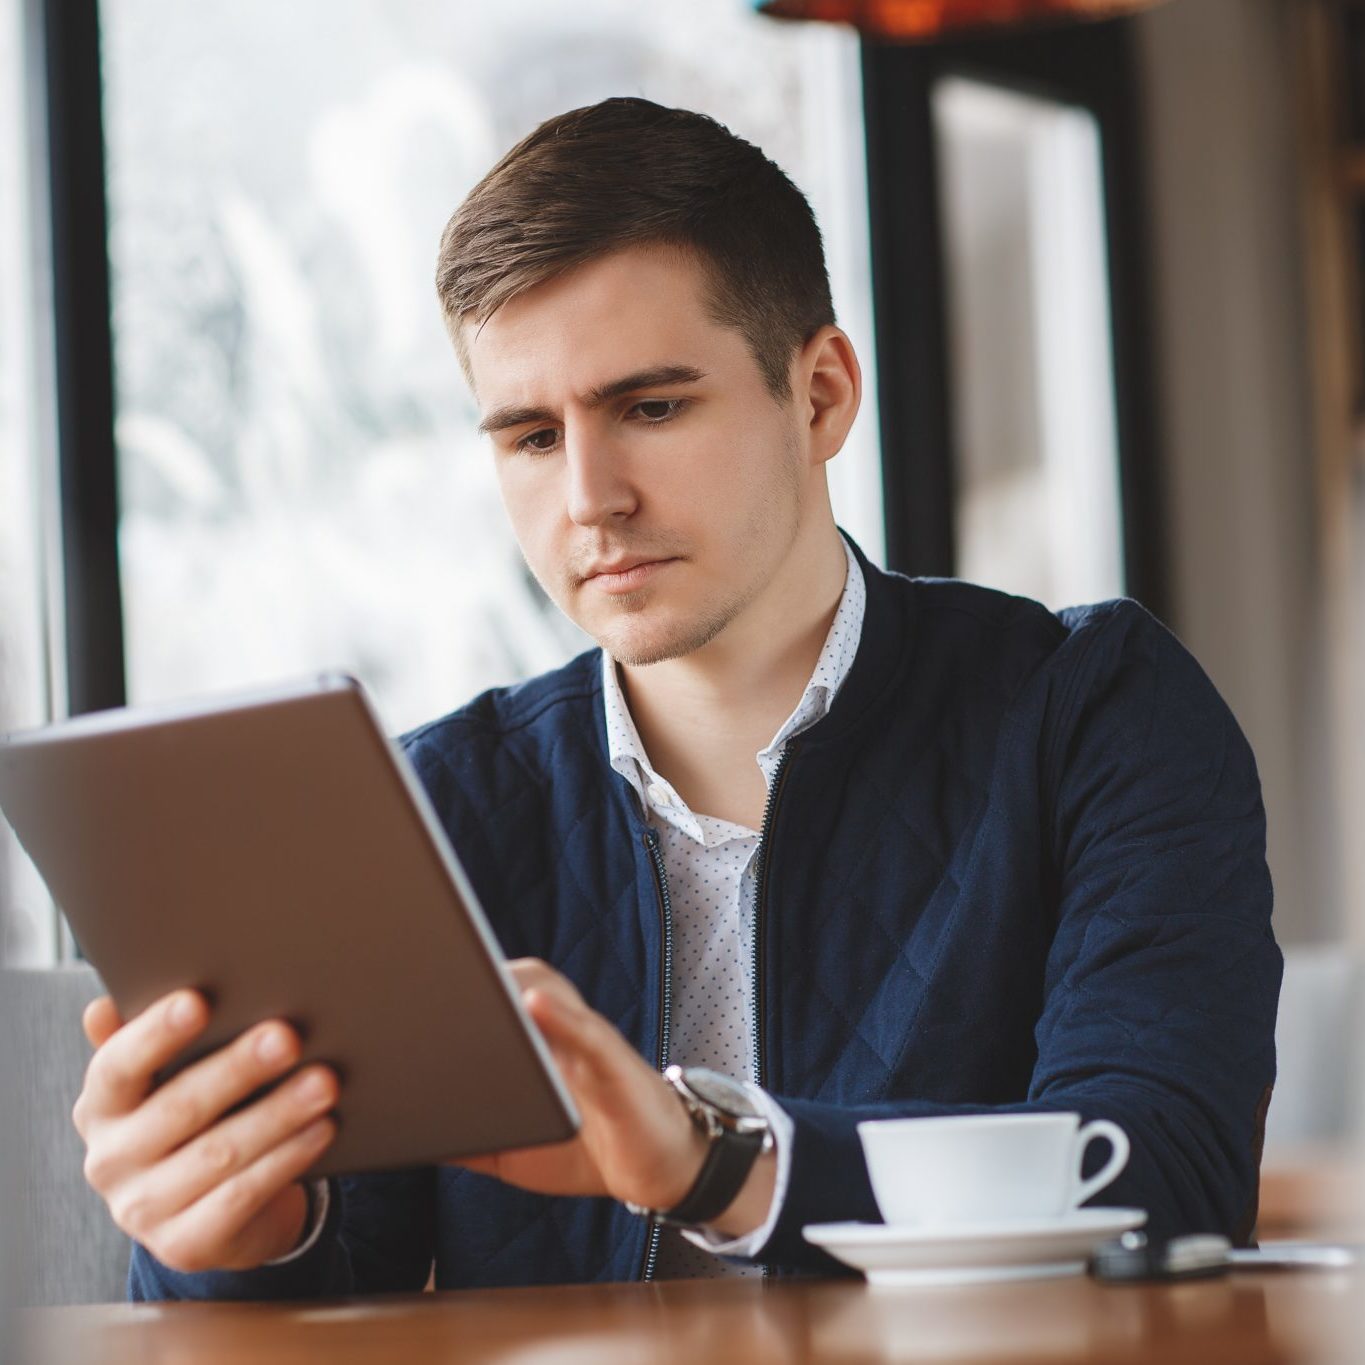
point(120, 1073)
point(596, 1061)
point(210, 1233)
point(537, 980)
point(101, 1021)
point(195, 1098)
point(530, 973)
point(563, 1017)
point(634, 1135)
point(156, 1193)
point(527, 970)
point(556, 1019)
point(199, 1189)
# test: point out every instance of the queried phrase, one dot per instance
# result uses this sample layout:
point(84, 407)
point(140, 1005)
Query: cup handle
point(1118, 1158)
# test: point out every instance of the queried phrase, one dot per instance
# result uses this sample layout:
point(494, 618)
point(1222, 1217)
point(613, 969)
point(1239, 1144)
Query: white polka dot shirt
point(711, 871)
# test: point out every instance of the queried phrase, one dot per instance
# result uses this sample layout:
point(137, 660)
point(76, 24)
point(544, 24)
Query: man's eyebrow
point(657, 376)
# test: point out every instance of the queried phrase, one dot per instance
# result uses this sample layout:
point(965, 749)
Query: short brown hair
point(629, 173)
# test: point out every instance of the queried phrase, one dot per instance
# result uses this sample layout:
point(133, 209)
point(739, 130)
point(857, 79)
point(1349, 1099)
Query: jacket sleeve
point(1163, 976)
point(379, 1237)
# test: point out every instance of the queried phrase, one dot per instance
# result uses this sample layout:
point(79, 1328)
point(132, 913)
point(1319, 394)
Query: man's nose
point(598, 483)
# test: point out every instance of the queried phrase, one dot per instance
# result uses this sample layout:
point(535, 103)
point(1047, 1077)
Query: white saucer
point(981, 1253)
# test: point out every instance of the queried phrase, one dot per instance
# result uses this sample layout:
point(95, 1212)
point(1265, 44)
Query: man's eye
point(650, 412)
point(655, 411)
point(541, 440)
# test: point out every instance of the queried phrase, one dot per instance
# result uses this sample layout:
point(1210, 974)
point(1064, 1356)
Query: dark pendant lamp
point(920, 20)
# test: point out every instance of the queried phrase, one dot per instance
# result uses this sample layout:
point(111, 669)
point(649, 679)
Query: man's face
point(631, 429)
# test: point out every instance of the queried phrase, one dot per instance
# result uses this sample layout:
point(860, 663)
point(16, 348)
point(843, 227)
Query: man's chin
point(637, 651)
point(638, 644)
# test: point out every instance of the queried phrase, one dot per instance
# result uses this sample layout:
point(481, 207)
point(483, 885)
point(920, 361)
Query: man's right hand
point(199, 1190)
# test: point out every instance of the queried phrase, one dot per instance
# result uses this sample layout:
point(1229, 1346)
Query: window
point(27, 924)
point(1037, 472)
point(300, 483)
point(1019, 413)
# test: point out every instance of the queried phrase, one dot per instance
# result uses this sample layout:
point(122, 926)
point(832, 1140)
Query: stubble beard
point(686, 637)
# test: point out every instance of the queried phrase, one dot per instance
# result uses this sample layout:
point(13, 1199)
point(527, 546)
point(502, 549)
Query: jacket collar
point(883, 658)
point(879, 667)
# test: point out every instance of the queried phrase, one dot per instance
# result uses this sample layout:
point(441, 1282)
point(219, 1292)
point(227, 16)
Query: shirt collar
point(627, 754)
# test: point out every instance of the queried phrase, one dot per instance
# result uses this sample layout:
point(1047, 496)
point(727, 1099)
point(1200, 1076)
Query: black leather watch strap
point(720, 1179)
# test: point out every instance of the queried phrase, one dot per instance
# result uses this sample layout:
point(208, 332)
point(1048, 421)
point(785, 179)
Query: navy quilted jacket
point(1019, 866)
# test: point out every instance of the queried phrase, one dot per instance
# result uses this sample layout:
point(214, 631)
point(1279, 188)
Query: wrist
point(724, 1131)
point(751, 1205)
point(683, 1170)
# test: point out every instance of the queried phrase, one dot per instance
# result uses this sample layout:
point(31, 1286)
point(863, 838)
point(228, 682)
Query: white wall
point(1231, 339)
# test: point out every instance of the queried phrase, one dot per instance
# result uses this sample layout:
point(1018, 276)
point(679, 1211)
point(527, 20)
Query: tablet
point(277, 852)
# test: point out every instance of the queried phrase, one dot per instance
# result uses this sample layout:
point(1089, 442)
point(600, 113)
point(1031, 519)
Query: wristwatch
point(738, 1132)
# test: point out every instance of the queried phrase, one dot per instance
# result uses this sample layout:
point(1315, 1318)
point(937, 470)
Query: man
point(870, 846)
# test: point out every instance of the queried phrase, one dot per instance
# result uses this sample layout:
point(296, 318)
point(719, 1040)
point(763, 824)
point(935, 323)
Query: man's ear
point(828, 385)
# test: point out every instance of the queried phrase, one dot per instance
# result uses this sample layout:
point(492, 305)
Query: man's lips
point(626, 575)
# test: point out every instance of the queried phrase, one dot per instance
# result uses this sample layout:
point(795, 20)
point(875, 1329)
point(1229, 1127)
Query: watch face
point(727, 1095)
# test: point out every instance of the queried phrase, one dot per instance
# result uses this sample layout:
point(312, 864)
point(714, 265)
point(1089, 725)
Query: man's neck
point(702, 718)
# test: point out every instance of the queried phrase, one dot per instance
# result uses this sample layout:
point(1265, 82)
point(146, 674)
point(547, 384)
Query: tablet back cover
point(280, 856)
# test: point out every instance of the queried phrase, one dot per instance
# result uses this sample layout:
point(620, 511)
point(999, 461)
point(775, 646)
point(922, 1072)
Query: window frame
point(87, 470)
point(1092, 66)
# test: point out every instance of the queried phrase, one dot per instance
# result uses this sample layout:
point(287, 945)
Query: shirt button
point(657, 795)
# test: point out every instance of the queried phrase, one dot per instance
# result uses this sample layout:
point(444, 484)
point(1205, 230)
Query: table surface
point(1315, 1192)
point(1241, 1319)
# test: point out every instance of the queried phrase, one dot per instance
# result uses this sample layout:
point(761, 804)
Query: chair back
point(61, 1243)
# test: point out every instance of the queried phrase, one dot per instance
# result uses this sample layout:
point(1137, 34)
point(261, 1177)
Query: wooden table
point(1242, 1319)
point(1313, 1192)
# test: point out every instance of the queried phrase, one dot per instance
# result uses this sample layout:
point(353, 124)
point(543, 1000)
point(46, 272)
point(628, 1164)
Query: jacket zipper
point(756, 972)
point(765, 857)
point(665, 1001)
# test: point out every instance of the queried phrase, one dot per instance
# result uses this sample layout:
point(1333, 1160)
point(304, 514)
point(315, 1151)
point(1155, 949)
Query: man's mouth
point(625, 575)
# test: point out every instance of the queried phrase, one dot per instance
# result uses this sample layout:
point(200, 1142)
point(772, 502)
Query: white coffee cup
point(991, 1168)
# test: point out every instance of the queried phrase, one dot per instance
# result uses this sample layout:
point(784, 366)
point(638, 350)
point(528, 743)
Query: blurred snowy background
point(301, 484)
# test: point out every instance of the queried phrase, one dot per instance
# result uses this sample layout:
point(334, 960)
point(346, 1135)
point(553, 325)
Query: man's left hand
point(636, 1142)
